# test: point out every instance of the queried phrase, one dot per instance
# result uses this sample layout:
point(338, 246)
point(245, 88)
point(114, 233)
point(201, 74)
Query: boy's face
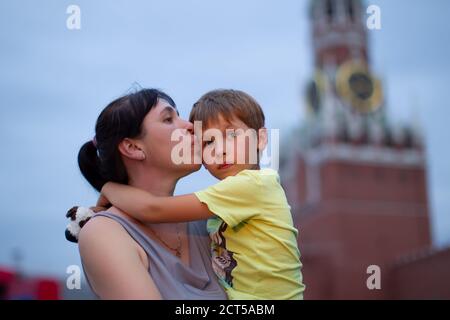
point(229, 147)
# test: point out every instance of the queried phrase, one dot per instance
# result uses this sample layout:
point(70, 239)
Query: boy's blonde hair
point(229, 104)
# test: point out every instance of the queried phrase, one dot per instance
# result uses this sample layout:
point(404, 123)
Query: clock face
point(361, 85)
point(358, 88)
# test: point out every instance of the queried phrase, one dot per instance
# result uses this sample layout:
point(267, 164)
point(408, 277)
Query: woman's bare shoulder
point(103, 232)
point(110, 255)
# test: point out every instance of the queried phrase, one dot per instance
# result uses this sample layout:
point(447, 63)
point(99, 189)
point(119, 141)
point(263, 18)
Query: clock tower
point(344, 96)
point(356, 182)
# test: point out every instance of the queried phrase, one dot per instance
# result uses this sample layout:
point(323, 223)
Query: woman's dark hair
point(99, 159)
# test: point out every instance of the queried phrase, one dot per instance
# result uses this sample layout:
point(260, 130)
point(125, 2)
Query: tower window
point(351, 10)
point(329, 10)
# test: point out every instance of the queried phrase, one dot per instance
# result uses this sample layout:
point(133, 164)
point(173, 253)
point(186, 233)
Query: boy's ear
point(131, 149)
point(262, 139)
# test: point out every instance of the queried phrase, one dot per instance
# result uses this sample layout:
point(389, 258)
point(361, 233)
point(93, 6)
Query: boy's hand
point(102, 202)
point(97, 209)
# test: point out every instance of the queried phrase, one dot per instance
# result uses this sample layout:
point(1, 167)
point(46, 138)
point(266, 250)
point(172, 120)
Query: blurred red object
point(47, 289)
point(13, 286)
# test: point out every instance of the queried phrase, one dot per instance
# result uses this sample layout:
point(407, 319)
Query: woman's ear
point(131, 149)
point(262, 139)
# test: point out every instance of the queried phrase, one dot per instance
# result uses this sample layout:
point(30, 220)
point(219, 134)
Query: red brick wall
point(367, 215)
point(424, 278)
point(376, 183)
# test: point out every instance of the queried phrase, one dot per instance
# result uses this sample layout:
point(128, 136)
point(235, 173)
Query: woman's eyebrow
point(169, 109)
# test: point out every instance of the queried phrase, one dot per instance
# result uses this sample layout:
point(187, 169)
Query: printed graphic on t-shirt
point(222, 259)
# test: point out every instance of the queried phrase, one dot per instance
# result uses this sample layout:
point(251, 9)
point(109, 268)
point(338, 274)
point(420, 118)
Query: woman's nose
point(188, 126)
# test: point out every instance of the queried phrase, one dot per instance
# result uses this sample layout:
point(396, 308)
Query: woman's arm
point(112, 262)
point(146, 207)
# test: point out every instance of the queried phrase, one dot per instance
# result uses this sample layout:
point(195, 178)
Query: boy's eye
point(168, 120)
point(232, 134)
point(209, 142)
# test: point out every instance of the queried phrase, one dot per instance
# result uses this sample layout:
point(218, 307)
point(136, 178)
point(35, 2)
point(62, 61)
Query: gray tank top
point(174, 279)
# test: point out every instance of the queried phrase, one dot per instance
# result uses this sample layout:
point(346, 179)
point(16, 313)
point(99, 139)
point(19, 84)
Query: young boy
point(254, 242)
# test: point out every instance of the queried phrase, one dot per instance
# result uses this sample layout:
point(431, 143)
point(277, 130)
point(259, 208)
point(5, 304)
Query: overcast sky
point(54, 82)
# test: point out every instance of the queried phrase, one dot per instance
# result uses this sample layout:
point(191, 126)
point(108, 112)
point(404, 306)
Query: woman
point(123, 258)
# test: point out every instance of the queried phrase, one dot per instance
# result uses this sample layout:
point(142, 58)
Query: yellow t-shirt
point(254, 243)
